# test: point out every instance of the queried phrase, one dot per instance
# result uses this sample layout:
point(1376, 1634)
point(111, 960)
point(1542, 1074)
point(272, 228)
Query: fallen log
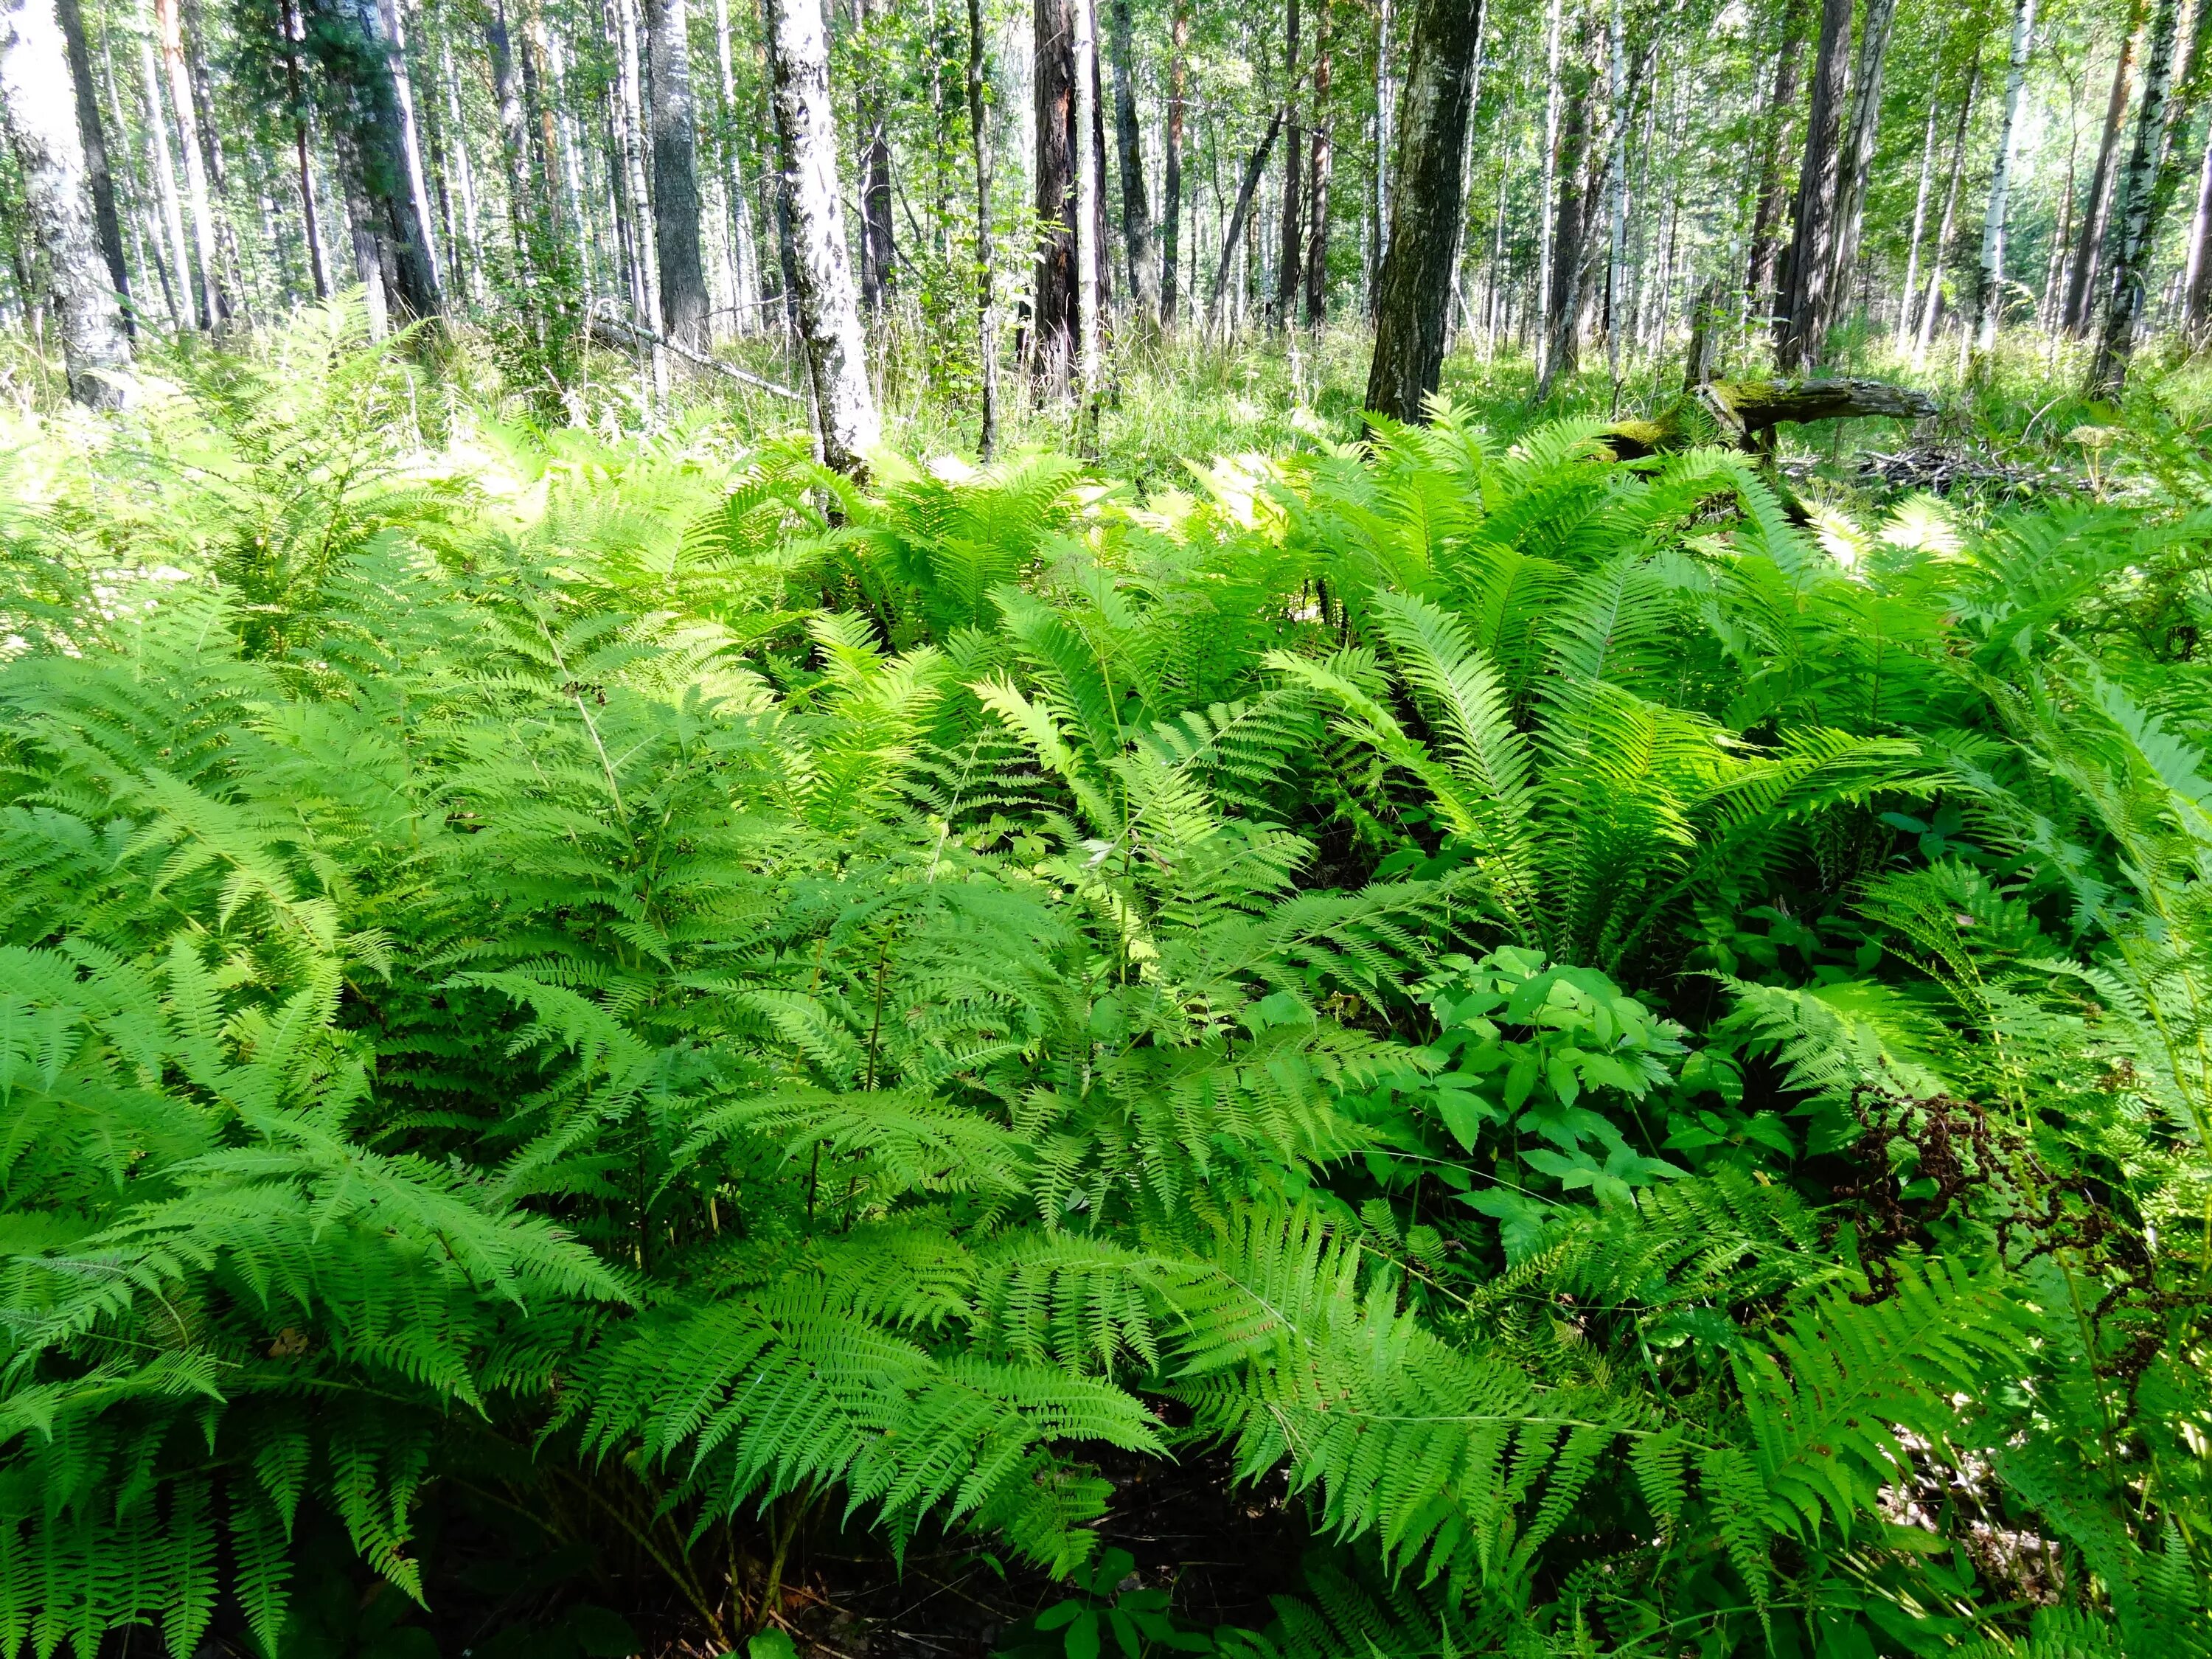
point(622, 335)
point(1746, 412)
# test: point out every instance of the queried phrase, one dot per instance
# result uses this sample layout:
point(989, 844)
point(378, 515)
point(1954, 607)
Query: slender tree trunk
point(2096, 213)
point(1989, 299)
point(1171, 163)
point(847, 425)
point(1616, 189)
point(1860, 134)
point(392, 238)
point(99, 177)
point(746, 242)
point(1233, 236)
point(1290, 243)
point(1426, 207)
point(684, 307)
point(878, 243)
point(1562, 349)
point(527, 182)
point(1136, 211)
point(410, 134)
point(164, 185)
point(1548, 188)
point(168, 32)
point(2196, 300)
point(637, 202)
point(1919, 223)
point(2135, 220)
point(1933, 301)
point(465, 167)
point(230, 265)
point(979, 140)
point(1088, 210)
point(1804, 310)
point(38, 104)
point(1772, 200)
point(1320, 162)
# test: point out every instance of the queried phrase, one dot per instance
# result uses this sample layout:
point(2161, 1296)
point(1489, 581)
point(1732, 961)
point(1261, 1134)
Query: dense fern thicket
point(592, 1026)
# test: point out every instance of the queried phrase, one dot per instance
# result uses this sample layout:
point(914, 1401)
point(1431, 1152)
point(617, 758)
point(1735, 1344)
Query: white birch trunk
point(1988, 295)
point(1086, 206)
point(38, 103)
point(165, 186)
point(846, 424)
point(169, 32)
point(1919, 223)
point(403, 88)
point(1544, 216)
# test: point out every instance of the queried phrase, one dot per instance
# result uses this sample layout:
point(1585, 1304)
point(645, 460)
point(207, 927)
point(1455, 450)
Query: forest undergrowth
point(613, 1044)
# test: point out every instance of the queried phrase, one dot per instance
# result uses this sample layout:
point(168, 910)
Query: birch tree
point(38, 103)
point(846, 424)
point(685, 306)
point(1989, 281)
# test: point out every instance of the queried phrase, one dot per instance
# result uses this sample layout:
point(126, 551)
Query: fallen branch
point(620, 333)
point(1748, 411)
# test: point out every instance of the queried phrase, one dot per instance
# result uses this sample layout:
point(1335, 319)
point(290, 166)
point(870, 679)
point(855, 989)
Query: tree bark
point(1549, 187)
point(1804, 306)
point(846, 422)
point(1053, 304)
point(1919, 223)
point(39, 106)
point(99, 177)
point(979, 140)
point(1089, 210)
point(1136, 211)
point(1290, 244)
point(1934, 295)
point(1256, 164)
point(1171, 163)
point(1426, 205)
point(1989, 271)
point(683, 303)
point(1562, 347)
point(2137, 208)
point(390, 237)
point(2096, 212)
point(169, 33)
point(1861, 132)
point(1319, 164)
point(172, 224)
point(1772, 200)
point(2197, 303)
point(878, 246)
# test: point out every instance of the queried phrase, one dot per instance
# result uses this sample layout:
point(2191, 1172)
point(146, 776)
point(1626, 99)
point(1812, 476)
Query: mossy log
point(1744, 413)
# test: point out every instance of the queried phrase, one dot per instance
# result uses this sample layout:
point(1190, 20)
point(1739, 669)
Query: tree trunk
point(1426, 206)
point(1561, 352)
point(1772, 201)
point(1989, 271)
point(846, 422)
point(742, 232)
point(2096, 212)
point(2135, 223)
point(2197, 301)
point(1053, 305)
point(1933, 301)
point(1860, 133)
point(979, 140)
point(39, 106)
point(1320, 162)
point(1802, 308)
point(1616, 188)
point(1171, 163)
point(1136, 211)
point(1290, 243)
point(683, 303)
point(465, 167)
point(878, 245)
point(1233, 235)
point(165, 186)
point(1549, 187)
point(1088, 210)
point(230, 265)
point(392, 240)
point(168, 32)
point(311, 220)
point(107, 223)
point(1919, 223)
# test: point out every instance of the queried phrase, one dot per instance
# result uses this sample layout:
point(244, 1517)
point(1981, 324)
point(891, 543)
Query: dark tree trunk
point(1136, 211)
point(2096, 212)
point(106, 221)
point(1773, 200)
point(1413, 287)
point(1052, 305)
point(683, 303)
point(1291, 243)
point(390, 240)
point(878, 246)
point(1569, 228)
point(1860, 134)
point(1802, 305)
point(1171, 164)
point(1233, 238)
point(1319, 165)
